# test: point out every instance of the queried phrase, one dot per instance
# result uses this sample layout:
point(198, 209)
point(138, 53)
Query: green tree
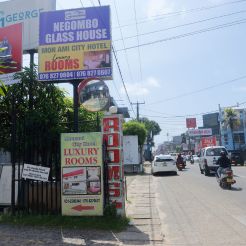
point(153, 129)
point(232, 121)
point(135, 128)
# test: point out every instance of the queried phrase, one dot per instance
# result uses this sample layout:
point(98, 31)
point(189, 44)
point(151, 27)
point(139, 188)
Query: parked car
point(208, 159)
point(236, 158)
point(163, 163)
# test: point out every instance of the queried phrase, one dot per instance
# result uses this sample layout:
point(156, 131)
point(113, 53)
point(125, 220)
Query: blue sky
point(171, 61)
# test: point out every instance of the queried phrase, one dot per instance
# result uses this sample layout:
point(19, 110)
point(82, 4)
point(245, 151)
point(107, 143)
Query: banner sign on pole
point(200, 132)
point(113, 136)
point(82, 174)
point(10, 52)
point(208, 141)
point(191, 123)
point(26, 12)
point(75, 44)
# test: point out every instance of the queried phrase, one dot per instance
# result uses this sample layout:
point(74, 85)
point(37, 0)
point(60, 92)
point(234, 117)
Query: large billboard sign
point(75, 44)
point(10, 52)
point(81, 174)
point(191, 122)
point(26, 12)
point(200, 132)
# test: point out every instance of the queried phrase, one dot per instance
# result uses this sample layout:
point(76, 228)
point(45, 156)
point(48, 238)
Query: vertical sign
point(191, 123)
point(81, 174)
point(112, 134)
point(75, 44)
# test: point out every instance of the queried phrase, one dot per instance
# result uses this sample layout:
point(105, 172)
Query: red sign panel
point(191, 122)
point(11, 48)
point(208, 141)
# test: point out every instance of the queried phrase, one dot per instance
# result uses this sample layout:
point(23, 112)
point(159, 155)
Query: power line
point(117, 62)
point(172, 14)
point(242, 21)
point(183, 25)
point(139, 56)
point(201, 90)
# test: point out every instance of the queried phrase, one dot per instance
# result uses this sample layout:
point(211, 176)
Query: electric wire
point(200, 90)
point(229, 24)
point(171, 14)
point(139, 56)
point(183, 25)
point(121, 76)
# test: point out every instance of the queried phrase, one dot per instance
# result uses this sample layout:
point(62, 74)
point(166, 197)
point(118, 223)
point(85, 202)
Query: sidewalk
point(141, 207)
point(145, 228)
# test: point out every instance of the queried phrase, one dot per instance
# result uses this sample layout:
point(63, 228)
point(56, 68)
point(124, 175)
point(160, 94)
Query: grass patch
point(115, 223)
point(110, 220)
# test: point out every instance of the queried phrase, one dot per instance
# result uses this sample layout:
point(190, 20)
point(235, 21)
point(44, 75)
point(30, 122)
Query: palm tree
point(231, 120)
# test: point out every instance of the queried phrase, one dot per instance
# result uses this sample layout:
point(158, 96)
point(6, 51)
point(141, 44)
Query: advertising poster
point(75, 44)
point(10, 51)
point(26, 12)
point(82, 174)
point(191, 123)
point(208, 141)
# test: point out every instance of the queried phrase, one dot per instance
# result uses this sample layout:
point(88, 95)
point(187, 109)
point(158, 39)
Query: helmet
point(222, 153)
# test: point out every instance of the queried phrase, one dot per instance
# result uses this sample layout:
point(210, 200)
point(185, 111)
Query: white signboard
point(130, 149)
point(200, 132)
point(35, 172)
point(27, 12)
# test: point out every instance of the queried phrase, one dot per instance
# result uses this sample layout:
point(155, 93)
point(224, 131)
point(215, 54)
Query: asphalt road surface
point(194, 210)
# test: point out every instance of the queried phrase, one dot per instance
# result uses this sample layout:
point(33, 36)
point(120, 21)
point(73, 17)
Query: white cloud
point(156, 7)
point(153, 82)
point(141, 89)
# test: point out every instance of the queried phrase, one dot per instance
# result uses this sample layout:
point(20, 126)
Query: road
point(194, 210)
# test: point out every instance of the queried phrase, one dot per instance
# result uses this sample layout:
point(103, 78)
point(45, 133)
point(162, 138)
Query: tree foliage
point(135, 128)
point(232, 120)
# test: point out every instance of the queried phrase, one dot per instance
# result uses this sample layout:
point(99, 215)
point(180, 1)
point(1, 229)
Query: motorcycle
point(180, 165)
point(191, 161)
point(226, 179)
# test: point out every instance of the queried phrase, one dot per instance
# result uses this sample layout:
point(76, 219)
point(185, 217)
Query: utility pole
point(137, 103)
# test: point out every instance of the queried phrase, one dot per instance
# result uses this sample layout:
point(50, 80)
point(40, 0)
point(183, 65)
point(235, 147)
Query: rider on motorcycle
point(223, 162)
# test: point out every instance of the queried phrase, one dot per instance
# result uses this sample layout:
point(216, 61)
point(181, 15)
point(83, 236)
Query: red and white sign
point(208, 141)
point(191, 123)
point(112, 135)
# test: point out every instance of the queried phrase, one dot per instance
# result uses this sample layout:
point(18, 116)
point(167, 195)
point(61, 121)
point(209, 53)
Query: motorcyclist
point(180, 159)
point(223, 162)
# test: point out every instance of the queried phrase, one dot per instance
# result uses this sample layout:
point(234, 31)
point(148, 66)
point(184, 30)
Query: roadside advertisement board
point(200, 132)
point(75, 44)
point(81, 174)
point(10, 52)
point(26, 12)
point(208, 141)
point(113, 136)
point(191, 123)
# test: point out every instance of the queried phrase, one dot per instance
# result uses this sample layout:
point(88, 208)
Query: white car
point(208, 159)
point(163, 163)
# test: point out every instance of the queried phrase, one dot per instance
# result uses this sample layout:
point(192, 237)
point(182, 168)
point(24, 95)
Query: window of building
point(239, 138)
point(226, 139)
